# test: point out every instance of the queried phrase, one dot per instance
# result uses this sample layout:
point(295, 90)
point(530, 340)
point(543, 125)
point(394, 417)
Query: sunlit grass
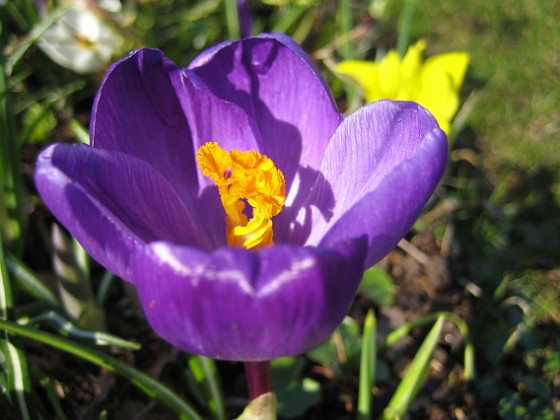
point(513, 46)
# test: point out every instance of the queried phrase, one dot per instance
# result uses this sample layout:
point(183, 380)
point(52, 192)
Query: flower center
point(245, 178)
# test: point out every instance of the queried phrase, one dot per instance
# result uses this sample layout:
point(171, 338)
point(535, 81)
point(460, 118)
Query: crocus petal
point(388, 219)
point(137, 112)
point(111, 202)
point(260, 75)
point(243, 305)
point(148, 108)
point(382, 165)
point(212, 118)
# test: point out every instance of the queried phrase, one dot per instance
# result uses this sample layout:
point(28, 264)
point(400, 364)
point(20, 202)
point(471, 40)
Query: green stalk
point(72, 272)
point(16, 380)
point(367, 366)
point(347, 51)
point(414, 378)
point(25, 278)
point(232, 19)
point(405, 329)
point(206, 375)
point(345, 13)
point(13, 197)
point(403, 29)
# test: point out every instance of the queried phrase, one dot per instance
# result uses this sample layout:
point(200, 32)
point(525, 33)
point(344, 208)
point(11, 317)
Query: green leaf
point(33, 36)
point(13, 195)
point(378, 286)
point(207, 379)
point(289, 17)
point(50, 392)
point(29, 281)
point(405, 329)
point(367, 366)
point(145, 383)
point(68, 328)
point(295, 394)
point(37, 124)
point(414, 378)
point(232, 19)
point(16, 381)
point(80, 132)
point(74, 287)
point(341, 350)
point(404, 26)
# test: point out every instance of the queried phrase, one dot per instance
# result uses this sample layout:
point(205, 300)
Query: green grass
point(515, 66)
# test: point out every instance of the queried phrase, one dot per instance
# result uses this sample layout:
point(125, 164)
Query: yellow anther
point(245, 178)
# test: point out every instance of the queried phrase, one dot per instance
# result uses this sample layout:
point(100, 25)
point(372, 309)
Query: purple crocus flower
point(140, 204)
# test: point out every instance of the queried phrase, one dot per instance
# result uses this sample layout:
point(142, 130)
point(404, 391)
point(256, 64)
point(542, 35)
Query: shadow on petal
point(295, 223)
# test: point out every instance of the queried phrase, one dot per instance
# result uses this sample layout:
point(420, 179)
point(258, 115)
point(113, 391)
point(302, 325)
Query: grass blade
point(151, 387)
point(74, 285)
point(404, 330)
point(50, 392)
point(367, 366)
point(15, 55)
point(232, 19)
point(347, 50)
point(415, 376)
point(103, 290)
point(288, 17)
point(205, 373)
point(13, 199)
point(17, 381)
point(404, 26)
point(30, 282)
point(67, 328)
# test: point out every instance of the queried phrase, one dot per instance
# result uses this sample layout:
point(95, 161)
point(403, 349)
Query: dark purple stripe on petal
point(242, 305)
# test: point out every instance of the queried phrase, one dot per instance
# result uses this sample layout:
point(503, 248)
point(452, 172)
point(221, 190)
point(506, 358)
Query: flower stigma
point(245, 178)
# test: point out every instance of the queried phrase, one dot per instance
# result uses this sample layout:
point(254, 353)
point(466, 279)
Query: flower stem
point(258, 378)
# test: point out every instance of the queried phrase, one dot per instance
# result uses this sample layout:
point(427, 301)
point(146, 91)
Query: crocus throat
point(245, 178)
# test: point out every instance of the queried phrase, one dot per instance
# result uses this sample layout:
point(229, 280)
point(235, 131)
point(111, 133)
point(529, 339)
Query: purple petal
point(137, 112)
point(241, 305)
point(382, 166)
point(212, 119)
point(111, 202)
point(277, 85)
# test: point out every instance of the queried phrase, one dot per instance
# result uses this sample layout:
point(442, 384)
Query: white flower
point(80, 41)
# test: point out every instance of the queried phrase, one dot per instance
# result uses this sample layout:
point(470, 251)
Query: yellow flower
point(433, 83)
